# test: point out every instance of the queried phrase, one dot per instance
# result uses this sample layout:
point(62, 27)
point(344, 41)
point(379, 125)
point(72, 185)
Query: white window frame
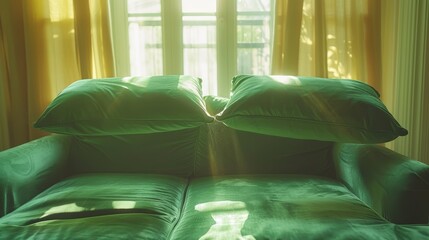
point(172, 30)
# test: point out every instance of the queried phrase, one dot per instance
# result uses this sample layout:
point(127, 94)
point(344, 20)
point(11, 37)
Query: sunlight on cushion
point(289, 80)
point(130, 105)
point(123, 204)
point(309, 108)
point(67, 208)
point(137, 81)
point(229, 217)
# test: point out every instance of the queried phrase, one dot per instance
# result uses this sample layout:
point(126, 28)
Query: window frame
point(172, 37)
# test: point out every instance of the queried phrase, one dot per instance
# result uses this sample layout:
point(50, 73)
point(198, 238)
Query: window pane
point(144, 6)
point(144, 27)
point(254, 5)
point(254, 36)
point(199, 6)
point(199, 41)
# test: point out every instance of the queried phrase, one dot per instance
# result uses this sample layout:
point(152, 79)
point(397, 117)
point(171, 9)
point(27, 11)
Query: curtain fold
point(4, 94)
point(411, 77)
point(83, 36)
point(320, 45)
point(93, 35)
point(45, 46)
point(287, 34)
point(14, 109)
point(384, 43)
point(328, 38)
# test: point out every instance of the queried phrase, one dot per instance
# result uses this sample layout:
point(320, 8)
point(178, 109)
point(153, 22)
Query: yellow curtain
point(408, 23)
point(44, 46)
point(328, 38)
point(382, 42)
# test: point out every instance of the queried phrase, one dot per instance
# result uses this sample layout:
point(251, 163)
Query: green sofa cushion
point(102, 206)
point(131, 105)
point(310, 108)
point(215, 104)
point(172, 153)
point(203, 151)
point(232, 151)
point(281, 207)
point(392, 184)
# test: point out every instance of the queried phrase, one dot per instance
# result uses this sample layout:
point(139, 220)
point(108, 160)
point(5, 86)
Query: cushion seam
point(182, 208)
point(318, 122)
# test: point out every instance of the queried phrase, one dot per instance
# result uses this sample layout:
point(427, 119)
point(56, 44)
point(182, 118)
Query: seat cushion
point(278, 207)
point(102, 206)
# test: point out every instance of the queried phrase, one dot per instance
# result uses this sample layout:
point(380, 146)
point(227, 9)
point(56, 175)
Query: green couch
point(286, 158)
point(209, 182)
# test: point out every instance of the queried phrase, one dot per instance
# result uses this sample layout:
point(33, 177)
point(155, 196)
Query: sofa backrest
point(212, 149)
point(171, 153)
point(237, 152)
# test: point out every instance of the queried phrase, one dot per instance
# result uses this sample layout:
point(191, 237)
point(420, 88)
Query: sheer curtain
point(408, 23)
point(47, 44)
point(44, 46)
point(328, 38)
point(384, 43)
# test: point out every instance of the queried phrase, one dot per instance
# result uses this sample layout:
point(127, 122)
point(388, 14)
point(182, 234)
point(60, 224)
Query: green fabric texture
point(131, 105)
point(390, 183)
point(231, 151)
point(215, 104)
point(281, 207)
point(115, 206)
point(310, 108)
point(170, 153)
point(28, 169)
point(261, 198)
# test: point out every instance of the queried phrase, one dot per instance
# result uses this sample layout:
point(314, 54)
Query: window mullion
point(172, 40)
point(121, 47)
point(226, 44)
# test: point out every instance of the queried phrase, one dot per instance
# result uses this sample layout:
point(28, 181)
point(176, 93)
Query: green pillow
point(131, 105)
point(215, 104)
point(310, 108)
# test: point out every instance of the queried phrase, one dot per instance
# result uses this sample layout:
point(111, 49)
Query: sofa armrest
point(28, 169)
point(392, 184)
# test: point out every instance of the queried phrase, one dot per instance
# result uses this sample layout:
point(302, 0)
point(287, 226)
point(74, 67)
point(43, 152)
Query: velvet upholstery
point(282, 189)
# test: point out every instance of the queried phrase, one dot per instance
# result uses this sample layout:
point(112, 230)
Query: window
point(211, 39)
